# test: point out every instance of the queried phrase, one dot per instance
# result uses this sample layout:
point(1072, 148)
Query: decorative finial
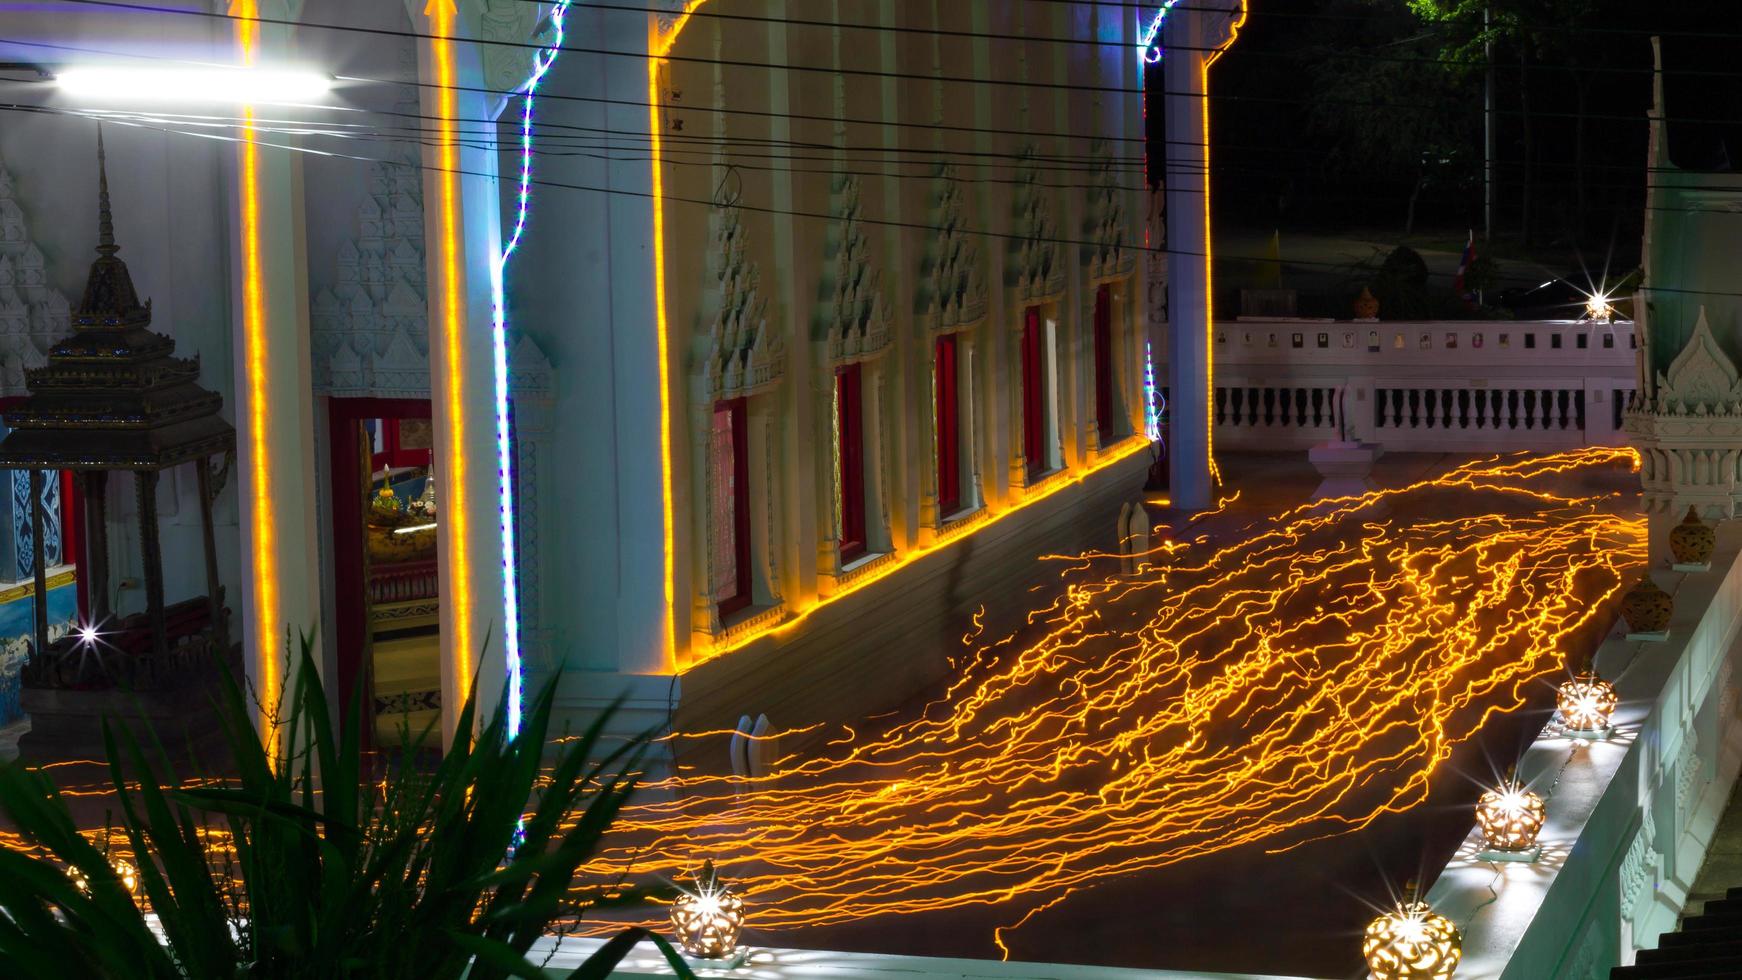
point(105, 222)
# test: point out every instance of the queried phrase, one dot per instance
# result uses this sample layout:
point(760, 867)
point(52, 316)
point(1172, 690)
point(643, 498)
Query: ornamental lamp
point(1510, 817)
point(707, 921)
point(1585, 703)
point(1412, 942)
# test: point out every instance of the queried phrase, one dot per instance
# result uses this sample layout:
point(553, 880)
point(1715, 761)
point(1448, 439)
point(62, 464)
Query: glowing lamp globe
point(1598, 307)
point(1412, 942)
point(707, 921)
point(1585, 703)
point(1510, 817)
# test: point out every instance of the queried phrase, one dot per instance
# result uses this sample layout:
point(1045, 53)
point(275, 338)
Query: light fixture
point(707, 921)
point(213, 83)
point(1412, 942)
point(1598, 308)
point(125, 872)
point(1510, 817)
point(1584, 704)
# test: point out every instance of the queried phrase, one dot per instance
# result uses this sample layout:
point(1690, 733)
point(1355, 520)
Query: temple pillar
point(463, 241)
point(280, 597)
point(1193, 36)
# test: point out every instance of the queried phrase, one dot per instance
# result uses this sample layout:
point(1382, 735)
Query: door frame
point(350, 587)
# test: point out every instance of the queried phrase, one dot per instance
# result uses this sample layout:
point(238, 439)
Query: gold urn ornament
point(1366, 305)
point(1646, 607)
point(708, 920)
point(1412, 942)
point(1692, 541)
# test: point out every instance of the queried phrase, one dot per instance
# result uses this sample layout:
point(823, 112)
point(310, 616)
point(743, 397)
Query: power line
point(831, 218)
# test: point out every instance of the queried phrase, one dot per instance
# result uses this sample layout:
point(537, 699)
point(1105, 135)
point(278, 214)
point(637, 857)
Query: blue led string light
point(541, 62)
point(1149, 49)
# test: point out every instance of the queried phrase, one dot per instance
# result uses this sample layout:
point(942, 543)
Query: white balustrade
point(1452, 386)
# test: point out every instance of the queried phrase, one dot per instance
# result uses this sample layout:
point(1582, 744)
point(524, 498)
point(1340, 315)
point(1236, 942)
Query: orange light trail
point(458, 513)
point(257, 356)
point(1296, 683)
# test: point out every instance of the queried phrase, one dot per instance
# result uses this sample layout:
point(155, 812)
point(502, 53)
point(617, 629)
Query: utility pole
point(1488, 130)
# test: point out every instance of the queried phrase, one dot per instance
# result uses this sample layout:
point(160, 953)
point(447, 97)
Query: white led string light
point(541, 62)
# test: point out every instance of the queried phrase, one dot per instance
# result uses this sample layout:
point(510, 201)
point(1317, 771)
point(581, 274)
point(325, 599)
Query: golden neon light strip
point(257, 357)
point(1209, 255)
point(453, 324)
point(1298, 682)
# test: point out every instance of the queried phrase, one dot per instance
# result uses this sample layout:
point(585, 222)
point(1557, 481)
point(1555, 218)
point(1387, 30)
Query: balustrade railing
point(1429, 386)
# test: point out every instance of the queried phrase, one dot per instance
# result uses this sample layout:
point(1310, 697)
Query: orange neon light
point(257, 357)
point(658, 46)
point(453, 323)
point(1298, 682)
point(1210, 257)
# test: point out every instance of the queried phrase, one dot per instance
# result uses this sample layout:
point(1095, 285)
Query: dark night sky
point(1305, 73)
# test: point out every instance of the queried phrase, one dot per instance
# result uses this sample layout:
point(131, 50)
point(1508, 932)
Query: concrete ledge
point(1629, 818)
point(804, 964)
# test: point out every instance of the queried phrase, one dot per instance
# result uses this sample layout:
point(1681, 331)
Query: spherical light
point(707, 921)
point(1585, 703)
point(1510, 817)
point(1412, 942)
point(1598, 307)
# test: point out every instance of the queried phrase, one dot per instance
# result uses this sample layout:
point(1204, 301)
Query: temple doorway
point(388, 599)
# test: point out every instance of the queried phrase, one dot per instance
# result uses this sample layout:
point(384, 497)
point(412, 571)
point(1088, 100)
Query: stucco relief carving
point(1702, 379)
point(1689, 429)
point(1591, 960)
point(1221, 20)
point(855, 315)
point(507, 65)
point(1639, 865)
point(1037, 273)
point(743, 355)
point(1688, 770)
point(32, 314)
point(955, 294)
point(1110, 256)
point(370, 329)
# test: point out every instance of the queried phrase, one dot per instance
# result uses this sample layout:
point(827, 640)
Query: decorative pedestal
point(1592, 736)
point(1701, 567)
point(1346, 467)
point(9, 737)
point(1656, 636)
point(1510, 857)
point(739, 957)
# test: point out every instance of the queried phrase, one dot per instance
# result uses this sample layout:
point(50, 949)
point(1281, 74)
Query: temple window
point(1039, 394)
point(729, 507)
point(946, 376)
point(850, 460)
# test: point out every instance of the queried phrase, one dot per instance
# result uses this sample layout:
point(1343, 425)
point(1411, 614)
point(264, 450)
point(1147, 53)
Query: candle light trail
point(1296, 683)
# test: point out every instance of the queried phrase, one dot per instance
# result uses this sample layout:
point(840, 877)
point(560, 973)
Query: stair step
point(1697, 937)
point(1725, 968)
point(1682, 954)
point(1696, 923)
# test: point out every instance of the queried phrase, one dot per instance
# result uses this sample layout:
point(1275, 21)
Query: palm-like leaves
point(414, 872)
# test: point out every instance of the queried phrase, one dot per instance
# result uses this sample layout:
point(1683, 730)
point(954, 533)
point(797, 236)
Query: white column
point(274, 397)
point(462, 236)
point(1193, 35)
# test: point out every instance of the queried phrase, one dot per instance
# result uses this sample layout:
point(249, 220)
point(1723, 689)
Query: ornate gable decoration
point(1109, 258)
point(371, 328)
point(855, 317)
point(1702, 380)
point(957, 292)
point(744, 356)
point(32, 315)
point(1037, 272)
point(518, 25)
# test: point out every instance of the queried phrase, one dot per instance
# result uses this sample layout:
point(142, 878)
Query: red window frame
point(850, 429)
point(1104, 362)
point(1033, 397)
point(947, 428)
point(740, 599)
